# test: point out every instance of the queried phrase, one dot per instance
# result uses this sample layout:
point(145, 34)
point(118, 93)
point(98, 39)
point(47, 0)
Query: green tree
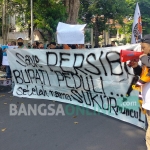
point(47, 14)
point(144, 6)
point(98, 13)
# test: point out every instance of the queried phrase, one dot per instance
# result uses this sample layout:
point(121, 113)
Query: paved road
point(82, 132)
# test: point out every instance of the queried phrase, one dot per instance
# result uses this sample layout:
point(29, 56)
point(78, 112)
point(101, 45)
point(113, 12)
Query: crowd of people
point(53, 45)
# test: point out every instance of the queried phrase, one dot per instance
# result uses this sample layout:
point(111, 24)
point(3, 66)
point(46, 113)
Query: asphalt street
point(63, 132)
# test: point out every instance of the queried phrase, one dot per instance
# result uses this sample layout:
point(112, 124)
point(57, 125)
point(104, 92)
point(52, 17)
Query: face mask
point(20, 43)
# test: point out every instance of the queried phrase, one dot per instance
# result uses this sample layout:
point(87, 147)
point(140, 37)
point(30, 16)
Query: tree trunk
point(96, 32)
point(72, 10)
point(4, 25)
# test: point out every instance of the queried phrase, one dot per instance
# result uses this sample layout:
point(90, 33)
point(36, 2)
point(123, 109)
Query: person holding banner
point(13, 43)
point(70, 35)
point(5, 62)
point(20, 44)
point(145, 88)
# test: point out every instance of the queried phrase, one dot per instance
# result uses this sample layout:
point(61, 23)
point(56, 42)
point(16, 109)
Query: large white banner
point(95, 79)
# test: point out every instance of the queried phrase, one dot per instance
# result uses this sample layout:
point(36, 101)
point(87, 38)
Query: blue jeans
point(8, 72)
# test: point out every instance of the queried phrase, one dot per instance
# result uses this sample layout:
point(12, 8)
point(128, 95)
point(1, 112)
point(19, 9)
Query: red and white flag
point(137, 26)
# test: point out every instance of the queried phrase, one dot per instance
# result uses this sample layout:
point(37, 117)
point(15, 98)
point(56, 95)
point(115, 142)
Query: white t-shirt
point(146, 96)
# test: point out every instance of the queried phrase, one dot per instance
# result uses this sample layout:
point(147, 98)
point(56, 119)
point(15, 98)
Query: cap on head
point(146, 39)
point(19, 38)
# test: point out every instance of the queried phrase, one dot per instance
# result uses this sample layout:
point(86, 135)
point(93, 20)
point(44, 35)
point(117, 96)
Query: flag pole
point(32, 36)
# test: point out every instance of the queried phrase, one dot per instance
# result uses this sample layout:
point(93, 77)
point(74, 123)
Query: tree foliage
point(144, 6)
point(47, 14)
point(118, 10)
point(145, 13)
point(96, 13)
point(99, 12)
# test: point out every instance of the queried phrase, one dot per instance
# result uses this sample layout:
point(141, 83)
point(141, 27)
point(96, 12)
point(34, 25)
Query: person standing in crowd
point(48, 46)
point(13, 43)
point(80, 46)
point(66, 47)
point(29, 46)
point(35, 45)
point(53, 45)
point(113, 43)
point(73, 46)
point(145, 89)
point(8, 71)
point(40, 45)
point(20, 43)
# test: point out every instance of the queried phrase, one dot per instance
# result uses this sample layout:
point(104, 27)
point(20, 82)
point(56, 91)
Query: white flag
point(137, 26)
